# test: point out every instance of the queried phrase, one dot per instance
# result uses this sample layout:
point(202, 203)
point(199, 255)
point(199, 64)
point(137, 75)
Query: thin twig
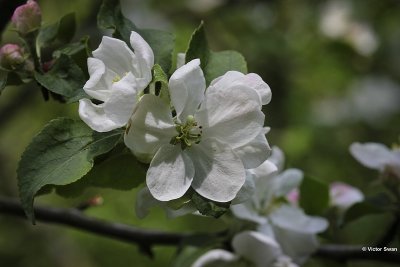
point(76, 219)
point(148, 238)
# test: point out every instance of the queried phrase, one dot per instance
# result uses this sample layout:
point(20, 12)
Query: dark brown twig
point(148, 238)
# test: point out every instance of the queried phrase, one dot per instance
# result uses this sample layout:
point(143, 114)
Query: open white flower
point(378, 157)
point(117, 75)
point(344, 196)
point(294, 230)
point(202, 146)
point(251, 249)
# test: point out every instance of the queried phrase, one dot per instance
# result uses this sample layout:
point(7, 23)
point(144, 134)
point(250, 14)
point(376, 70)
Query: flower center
point(267, 207)
point(117, 78)
point(188, 133)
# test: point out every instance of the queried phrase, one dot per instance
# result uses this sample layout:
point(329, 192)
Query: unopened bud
point(27, 17)
point(11, 56)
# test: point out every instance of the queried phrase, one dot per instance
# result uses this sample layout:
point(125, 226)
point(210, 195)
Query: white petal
point(232, 116)
point(287, 181)
point(298, 246)
point(117, 56)
point(216, 258)
point(371, 155)
point(294, 219)
point(245, 211)
point(264, 175)
point(95, 117)
point(266, 229)
point(343, 195)
point(121, 103)
point(187, 86)
point(284, 261)
point(256, 247)
point(144, 201)
point(151, 127)
point(219, 171)
point(145, 55)
point(277, 157)
point(225, 80)
point(99, 84)
point(256, 82)
point(255, 152)
point(170, 173)
point(251, 80)
point(247, 191)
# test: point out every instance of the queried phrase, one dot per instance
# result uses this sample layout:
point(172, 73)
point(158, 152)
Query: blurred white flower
point(294, 231)
point(335, 18)
point(293, 196)
point(204, 145)
point(117, 75)
point(371, 99)
point(255, 248)
point(336, 23)
point(344, 196)
point(378, 157)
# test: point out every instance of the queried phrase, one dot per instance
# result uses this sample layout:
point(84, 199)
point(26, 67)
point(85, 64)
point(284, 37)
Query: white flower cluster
point(378, 156)
point(285, 235)
point(205, 139)
point(209, 140)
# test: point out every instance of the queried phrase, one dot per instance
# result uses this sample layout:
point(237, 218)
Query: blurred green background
point(334, 71)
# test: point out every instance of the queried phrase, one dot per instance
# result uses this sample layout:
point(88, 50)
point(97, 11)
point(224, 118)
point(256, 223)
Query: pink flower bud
point(344, 196)
point(11, 56)
point(27, 17)
point(293, 197)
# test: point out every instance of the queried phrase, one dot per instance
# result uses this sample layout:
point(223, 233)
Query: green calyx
point(188, 133)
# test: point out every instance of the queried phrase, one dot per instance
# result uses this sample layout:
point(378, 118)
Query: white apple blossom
point(250, 249)
point(378, 157)
point(344, 196)
point(117, 75)
point(294, 231)
point(204, 145)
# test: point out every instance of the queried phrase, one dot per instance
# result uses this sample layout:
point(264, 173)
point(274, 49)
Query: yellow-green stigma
point(117, 78)
point(188, 133)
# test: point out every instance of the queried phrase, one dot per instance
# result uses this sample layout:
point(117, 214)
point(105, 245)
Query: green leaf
point(221, 62)
point(78, 51)
point(314, 196)
point(105, 16)
point(59, 33)
point(64, 78)
point(159, 84)
point(368, 229)
point(14, 79)
point(73, 48)
point(214, 64)
point(161, 42)
point(208, 207)
point(359, 210)
point(3, 80)
point(121, 172)
point(8, 78)
point(198, 47)
point(60, 154)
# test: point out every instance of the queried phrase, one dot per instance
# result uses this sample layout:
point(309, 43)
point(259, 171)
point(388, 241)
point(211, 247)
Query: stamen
point(188, 133)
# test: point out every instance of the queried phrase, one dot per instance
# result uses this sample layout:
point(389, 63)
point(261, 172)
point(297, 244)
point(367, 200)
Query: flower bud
point(27, 17)
point(11, 56)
